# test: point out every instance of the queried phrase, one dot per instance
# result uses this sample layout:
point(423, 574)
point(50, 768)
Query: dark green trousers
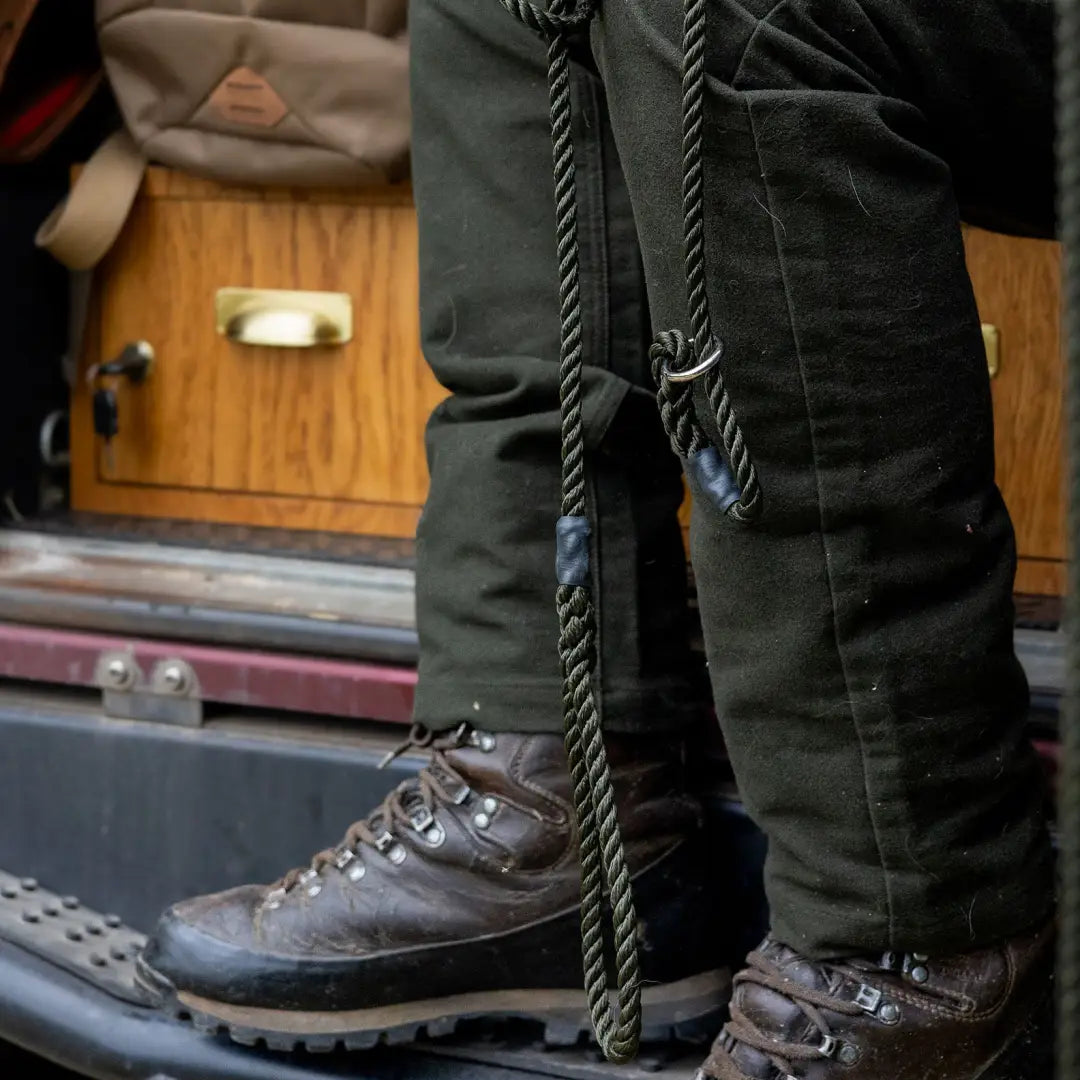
point(859, 637)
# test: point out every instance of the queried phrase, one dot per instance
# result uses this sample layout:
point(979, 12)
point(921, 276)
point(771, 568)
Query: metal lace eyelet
point(384, 842)
point(829, 1045)
point(421, 819)
point(307, 878)
point(482, 740)
point(868, 998)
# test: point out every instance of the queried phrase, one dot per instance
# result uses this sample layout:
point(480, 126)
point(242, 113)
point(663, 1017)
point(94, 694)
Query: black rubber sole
point(1031, 1055)
point(689, 1009)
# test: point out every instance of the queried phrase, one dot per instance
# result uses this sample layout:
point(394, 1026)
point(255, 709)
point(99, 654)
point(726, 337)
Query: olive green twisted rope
point(672, 351)
point(603, 864)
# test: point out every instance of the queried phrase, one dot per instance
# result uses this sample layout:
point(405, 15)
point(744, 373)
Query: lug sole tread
point(700, 1020)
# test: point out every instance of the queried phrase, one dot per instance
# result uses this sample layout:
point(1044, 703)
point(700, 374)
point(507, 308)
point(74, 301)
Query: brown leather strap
point(82, 229)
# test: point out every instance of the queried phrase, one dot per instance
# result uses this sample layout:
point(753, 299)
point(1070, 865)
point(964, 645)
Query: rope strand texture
point(672, 352)
point(603, 863)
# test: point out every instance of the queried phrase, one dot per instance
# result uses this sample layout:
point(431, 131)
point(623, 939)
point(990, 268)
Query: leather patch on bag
point(245, 97)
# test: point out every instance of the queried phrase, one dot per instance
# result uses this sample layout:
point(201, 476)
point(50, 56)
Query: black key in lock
point(106, 420)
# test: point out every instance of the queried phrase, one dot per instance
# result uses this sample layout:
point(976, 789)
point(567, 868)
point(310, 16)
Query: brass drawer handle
point(992, 340)
point(282, 318)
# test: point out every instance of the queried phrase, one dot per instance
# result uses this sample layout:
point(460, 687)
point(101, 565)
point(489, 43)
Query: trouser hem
point(823, 931)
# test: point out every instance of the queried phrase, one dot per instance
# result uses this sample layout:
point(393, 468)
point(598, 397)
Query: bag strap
point(82, 229)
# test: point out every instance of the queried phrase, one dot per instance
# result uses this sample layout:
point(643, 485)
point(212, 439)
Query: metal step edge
point(58, 1006)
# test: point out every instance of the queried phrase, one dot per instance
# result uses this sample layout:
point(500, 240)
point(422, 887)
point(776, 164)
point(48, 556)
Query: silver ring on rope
point(695, 372)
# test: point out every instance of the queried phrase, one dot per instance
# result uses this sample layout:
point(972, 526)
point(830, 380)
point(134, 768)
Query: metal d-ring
point(690, 374)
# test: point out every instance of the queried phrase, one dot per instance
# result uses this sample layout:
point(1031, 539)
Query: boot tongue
point(774, 1014)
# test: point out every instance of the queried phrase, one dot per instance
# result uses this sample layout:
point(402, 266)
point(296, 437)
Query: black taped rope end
point(710, 473)
point(572, 551)
point(734, 489)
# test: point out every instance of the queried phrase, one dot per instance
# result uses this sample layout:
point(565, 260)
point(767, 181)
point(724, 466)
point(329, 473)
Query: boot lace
point(413, 805)
point(783, 1055)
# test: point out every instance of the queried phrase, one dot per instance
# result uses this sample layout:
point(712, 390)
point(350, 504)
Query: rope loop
point(673, 352)
point(740, 495)
point(558, 18)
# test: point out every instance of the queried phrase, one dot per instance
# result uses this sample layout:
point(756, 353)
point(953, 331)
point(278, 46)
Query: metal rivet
point(95, 928)
point(70, 902)
point(31, 917)
point(397, 854)
point(490, 805)
point(357, 872)
point(919, 958)
point(314, 890)
point(847, 1054)
point(113, 921)
point(273, 905)
point(889, 1013)
point(481, 821)
point(117, 953)
point(919, 974)
point(8, 892)
point(98, 960)
point(29, 884)
point(52, 910)
point(487, 743)
point(174, 677)
point(72, 934)
point(435, 836)
point(119, 672)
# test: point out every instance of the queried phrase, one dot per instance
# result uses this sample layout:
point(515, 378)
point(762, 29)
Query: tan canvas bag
point(292, 92)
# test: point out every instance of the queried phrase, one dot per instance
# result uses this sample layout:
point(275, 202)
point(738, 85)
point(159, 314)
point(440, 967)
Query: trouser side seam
point(814, 454)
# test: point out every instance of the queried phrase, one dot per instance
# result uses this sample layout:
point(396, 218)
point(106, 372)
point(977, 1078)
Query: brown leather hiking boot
point(977, 1016)
point(458, 897)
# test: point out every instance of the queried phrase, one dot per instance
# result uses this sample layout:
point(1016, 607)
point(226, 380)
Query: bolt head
point(174, 677)
point(118, 672)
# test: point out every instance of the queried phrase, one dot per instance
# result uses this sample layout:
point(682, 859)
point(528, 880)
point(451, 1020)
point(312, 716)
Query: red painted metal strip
point(296, 683)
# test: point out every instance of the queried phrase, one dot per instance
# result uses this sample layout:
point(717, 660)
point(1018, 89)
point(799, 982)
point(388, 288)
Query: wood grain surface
point(324, 438)
point(1018, 288)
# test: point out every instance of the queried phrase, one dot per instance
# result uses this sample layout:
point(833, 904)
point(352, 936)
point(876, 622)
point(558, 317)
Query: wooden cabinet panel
point(328, 437)
point(1018, 288)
